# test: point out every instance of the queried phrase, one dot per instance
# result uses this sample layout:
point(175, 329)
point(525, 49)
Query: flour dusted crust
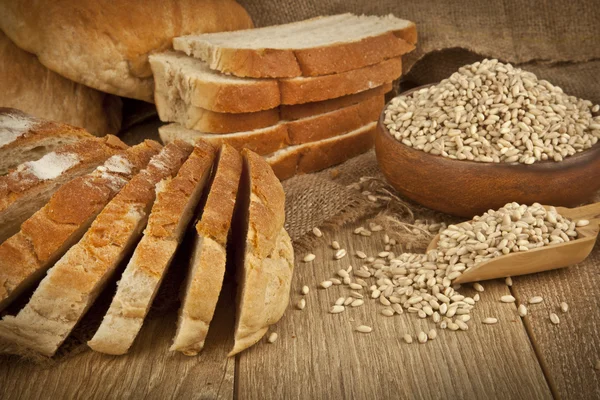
point(24, 137)
point(107, 44)
point(264, 271)
point(73, 283)
point(48, 233)
point(209, 256)
point(30, 87)
point(28, 187)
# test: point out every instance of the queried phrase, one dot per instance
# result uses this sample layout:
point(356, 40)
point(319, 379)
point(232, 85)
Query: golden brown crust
point(317, 88)
point(170, 204)
point(74, 282)
point(29, 86)
point(218, 210)
point(312, 157)
point(112, 40)
point(63, 219)
point(263, 63)
point(297, 111)
point(267, 209)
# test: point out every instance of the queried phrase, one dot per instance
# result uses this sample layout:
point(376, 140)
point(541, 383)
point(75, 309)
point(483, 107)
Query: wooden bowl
point(468, 188)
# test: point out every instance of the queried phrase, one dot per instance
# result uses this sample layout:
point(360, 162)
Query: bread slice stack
point(292, 93)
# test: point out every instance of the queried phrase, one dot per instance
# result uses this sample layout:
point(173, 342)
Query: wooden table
point(320, 356)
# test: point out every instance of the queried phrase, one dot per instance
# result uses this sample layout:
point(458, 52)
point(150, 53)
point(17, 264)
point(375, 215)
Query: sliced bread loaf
point(24, 137)
point(53, 229)
point(203, 120)
point(315, 156)
point(264, 257)
point(268, 140)
point(28, 187)
point(207, 265)
point(74, 282)
point(176, 201)
point(187, 79)
point(318, 46)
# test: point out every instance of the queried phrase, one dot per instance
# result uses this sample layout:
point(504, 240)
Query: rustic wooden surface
point(319, 355)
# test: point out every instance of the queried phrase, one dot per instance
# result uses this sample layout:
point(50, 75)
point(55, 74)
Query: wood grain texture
point(320, 356)
point(569, 350)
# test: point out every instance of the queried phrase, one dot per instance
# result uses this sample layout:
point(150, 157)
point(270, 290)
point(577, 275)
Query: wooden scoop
point(542, 258)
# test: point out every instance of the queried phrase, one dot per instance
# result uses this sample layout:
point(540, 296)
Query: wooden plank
point(148, 371)
point(319, 355)
point(567, 351)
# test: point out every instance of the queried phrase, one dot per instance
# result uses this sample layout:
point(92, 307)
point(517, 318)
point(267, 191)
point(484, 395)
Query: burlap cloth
point(558, 40)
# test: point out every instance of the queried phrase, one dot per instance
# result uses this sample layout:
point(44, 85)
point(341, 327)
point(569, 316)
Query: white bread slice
point(74, 282)
point(318, 46)
point(178, 77)
point(207, 266)
point(28, 187)
point(264, 257)
point(315, 156)
point(203, 120)
point(52, 230)
point(24, 137)
point(176, 201)
point(286, 133)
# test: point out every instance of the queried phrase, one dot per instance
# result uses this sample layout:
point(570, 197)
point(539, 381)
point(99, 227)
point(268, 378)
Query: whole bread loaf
point(27, 85)
point(72, 285)
point(53, 229)
point(105, 44)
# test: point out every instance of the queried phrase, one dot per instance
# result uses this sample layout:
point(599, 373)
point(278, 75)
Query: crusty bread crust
point(47, 234)
point(286, 63)
point(264, 272)
point(304, 90)
point(176, 201)
point(107, 44)
point(74, 282)
point(23, 191)
point(315, 156)
point(268, 140)
point(29, 86)
point(40, 135)
point(203, 120)
point(207, 266)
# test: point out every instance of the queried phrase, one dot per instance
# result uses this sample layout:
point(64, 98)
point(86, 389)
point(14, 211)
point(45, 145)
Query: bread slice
point(264, 256)
point(178, 77)
point(318, 46)
point(315, 156)
point(28, 187)
point(52, 230)
point(203, 120)
point(207, 265)
point(24, 137)
point(176, 201)
point(73, 283)
point(268, 140)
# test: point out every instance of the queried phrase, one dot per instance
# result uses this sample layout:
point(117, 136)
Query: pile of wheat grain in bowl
point(423, 283)
point(493, 112)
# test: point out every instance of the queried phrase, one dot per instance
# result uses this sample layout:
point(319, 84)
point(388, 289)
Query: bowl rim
point(592, 152)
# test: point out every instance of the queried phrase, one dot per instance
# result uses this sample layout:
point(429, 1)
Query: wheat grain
point(364, 329)
point(272, 337)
